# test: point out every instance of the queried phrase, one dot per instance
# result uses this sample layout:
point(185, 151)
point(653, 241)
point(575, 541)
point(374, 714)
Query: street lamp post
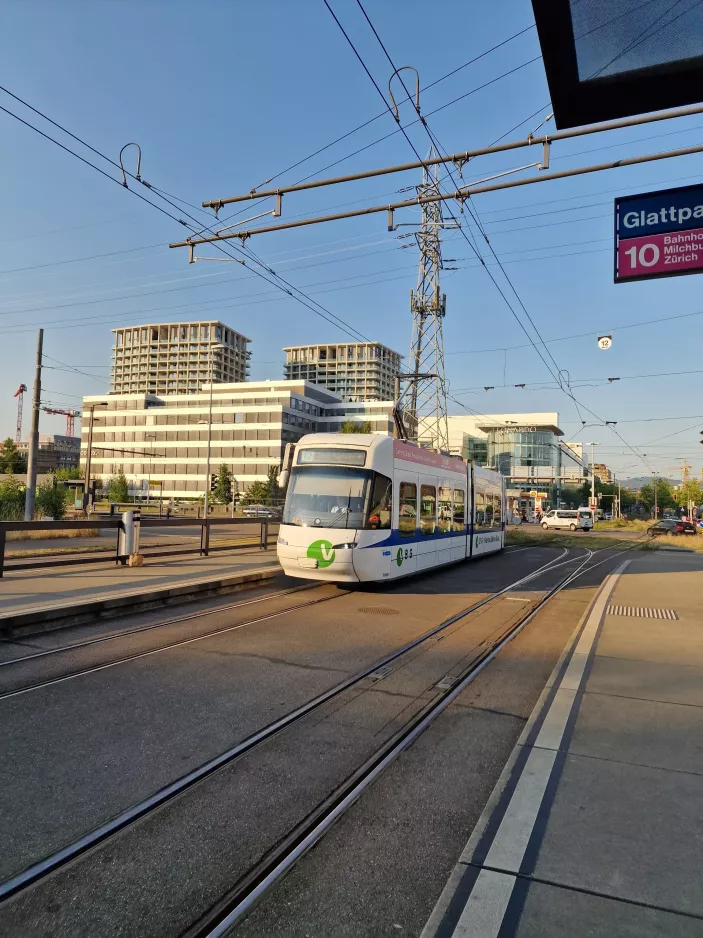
point(89, 451)
point(593, 468)
point(213, 349)
point(149, 436)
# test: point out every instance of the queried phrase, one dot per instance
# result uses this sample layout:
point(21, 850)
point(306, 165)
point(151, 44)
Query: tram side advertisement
point(659, 234)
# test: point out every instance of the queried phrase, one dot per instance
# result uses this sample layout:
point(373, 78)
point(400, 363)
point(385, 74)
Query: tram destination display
point(659, 234)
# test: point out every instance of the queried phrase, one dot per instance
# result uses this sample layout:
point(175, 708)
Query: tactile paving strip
point(643, 612)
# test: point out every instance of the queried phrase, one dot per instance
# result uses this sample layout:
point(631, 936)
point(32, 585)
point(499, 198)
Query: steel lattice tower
point(425, 411)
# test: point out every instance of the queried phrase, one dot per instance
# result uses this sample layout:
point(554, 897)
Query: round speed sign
point(605, 341)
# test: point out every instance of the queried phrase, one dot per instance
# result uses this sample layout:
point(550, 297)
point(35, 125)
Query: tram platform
point(595, 827)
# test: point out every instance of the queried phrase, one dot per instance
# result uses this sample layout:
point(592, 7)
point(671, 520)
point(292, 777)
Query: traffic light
point(213, 481)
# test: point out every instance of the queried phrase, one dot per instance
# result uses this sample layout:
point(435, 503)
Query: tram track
point(126, 659)
point(128, 817)
point(279, 860)
point(177, 620)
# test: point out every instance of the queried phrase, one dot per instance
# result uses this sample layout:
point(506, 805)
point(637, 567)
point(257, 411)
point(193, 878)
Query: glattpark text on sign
point(659, 234)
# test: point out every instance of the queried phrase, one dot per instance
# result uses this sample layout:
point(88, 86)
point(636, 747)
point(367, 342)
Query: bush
point(11, 499)
point(51, 500)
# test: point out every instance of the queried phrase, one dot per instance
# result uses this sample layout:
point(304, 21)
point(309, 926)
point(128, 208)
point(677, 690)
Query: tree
point(50, 499)
point(689, 491)
point(222, 492)
point(272, 486)
point(11, 459)
point(117, 488)
point(350, 427)
point(12, 495)
point(572, 496)
point(664, 495)
point(268, 492)
point(68, 475)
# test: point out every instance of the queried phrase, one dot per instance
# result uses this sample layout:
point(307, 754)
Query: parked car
point(260, 511)
point(671, 526)
point(560, 519)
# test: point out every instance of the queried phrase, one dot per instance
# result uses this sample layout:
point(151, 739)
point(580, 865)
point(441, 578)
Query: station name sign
point(659, 234)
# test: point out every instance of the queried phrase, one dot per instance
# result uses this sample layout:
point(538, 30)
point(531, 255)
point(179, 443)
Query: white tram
point(362, 507)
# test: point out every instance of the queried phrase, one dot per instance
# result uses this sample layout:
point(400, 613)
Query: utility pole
point(34, 434)
point(427, 411)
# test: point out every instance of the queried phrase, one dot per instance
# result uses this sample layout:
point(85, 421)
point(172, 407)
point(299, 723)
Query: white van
point(561, 518)
point(586, 518)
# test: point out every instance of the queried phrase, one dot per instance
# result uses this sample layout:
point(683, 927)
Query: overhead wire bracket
point(396, 113)
point(138, 175)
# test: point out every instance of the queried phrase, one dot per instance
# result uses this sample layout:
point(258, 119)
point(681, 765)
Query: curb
point(45, 618)
point(434, 922)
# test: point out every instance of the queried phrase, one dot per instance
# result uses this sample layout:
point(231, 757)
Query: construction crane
point(684, 468)
point(70, 418)
point(19, 394)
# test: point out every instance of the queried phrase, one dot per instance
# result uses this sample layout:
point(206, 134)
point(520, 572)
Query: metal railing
point(267, 533)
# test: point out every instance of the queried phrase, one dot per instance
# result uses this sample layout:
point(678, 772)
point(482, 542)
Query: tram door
point(427, 542)
point(404, 552)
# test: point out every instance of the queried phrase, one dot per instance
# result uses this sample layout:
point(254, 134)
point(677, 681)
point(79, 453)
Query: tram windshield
point(338, 497)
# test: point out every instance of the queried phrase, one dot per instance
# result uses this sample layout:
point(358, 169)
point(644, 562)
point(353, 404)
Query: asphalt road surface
point(89, 731)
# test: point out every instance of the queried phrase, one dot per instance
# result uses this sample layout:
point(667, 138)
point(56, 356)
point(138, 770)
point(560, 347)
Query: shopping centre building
point(527, 448)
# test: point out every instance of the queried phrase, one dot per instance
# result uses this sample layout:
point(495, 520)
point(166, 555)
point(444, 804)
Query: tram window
point(428, 503)
point(444, 505)
point(380, 504)
point(407, 509)
point(497, 510)
point(489, 510)
point(458, 515)
point(480, 497)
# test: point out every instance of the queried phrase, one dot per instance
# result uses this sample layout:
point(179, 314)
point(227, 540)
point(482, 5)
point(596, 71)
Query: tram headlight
point(347, 546)
point(282, 540)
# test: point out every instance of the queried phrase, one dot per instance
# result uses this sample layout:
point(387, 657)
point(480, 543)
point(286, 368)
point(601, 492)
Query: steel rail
point(124, 819)
point(223, 917)
point(41, 685)
point(530, 140)
point(147, 628)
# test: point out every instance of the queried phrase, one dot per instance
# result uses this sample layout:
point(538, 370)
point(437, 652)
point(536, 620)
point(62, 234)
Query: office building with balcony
point(362, 371)
point(163, 440)
point(177, 357)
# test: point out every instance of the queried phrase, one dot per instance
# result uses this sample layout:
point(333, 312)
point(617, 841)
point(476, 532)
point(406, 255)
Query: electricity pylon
point(425, 404)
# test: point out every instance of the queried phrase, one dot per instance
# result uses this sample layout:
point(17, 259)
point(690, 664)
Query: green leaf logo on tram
point(399, 557)
point(322, 552)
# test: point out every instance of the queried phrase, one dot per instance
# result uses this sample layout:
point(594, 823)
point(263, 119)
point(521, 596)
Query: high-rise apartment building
point(363, 371)
point(177, 357)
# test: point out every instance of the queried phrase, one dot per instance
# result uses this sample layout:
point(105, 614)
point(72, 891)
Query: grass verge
point(52, 535)
point(555, 539)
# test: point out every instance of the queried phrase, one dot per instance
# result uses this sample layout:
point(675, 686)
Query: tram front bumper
point(334, 565)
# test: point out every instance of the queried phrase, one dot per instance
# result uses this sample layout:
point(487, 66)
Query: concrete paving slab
point(552, 912)
point(607, 827)
point(650, 640)
point(647, 680)
point(640, 731)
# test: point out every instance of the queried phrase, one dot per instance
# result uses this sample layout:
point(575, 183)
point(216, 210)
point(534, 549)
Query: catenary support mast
point(426, 395)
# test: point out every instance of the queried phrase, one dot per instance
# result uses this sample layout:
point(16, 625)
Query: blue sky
point(223, 95)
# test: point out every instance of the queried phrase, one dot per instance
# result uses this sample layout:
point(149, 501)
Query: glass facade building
point(526, 448)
